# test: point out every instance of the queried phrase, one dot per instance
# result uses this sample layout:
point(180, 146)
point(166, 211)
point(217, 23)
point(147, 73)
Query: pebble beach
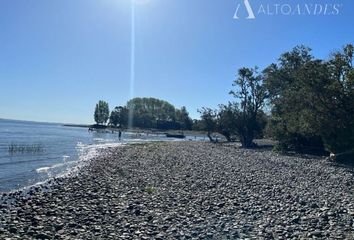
point(187, 190)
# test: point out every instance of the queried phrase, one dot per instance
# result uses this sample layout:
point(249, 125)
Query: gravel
point(187, 190)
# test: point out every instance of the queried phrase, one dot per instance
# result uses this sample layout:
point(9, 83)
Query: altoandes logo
point(249, 10)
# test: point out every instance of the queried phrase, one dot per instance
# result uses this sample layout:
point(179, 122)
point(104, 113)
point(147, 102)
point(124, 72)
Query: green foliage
point(183, 118)
point(335, 122)
point(312, 100)
point(101, 114)
point(197, 125)
point(290, 101)
point(226, 120)
point(150, 189)
point(145, 113)
point(208, 121)
point(119, 117)
point(159, 114)
point(248, 115)
point(245, 118)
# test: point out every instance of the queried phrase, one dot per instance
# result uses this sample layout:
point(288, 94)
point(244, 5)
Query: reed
point(17, 148)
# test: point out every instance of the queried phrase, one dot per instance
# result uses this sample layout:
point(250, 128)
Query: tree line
point(148, 113)
point(300, 101)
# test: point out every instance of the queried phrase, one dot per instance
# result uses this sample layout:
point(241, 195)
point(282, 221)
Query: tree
point(184, 119)
point(156, 113)
point(208, 121)
point(119, 117)
point(197, 125)
point(101, 112)
point(334, 100)
point(226, 120)
point(289, 123)
point(251, 94)
point(312, 100)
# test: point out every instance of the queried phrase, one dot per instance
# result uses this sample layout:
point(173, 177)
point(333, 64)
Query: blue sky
point(59, 57)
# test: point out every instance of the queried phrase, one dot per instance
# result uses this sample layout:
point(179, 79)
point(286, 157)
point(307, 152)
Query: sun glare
point(141, 2)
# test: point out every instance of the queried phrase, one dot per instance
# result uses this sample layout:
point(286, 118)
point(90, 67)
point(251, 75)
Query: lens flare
point(132, 63)
point(141, 2)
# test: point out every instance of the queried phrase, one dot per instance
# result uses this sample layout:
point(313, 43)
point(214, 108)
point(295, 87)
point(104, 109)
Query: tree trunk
point(247, 141)
point(227, 135)
point(210, 138)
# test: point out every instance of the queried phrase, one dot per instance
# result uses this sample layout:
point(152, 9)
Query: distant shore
point(182, 190)
point(77, 125)
point(142, 130)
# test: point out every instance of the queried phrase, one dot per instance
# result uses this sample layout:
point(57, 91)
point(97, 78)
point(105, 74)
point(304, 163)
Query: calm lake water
point(32, 152)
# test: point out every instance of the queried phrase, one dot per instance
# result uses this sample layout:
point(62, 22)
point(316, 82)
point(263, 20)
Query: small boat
point(169, 135)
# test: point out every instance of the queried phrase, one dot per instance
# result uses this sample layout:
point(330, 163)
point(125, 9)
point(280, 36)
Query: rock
point(316, 233)
point(314, 205)
point(58, 226)
point(204, 192)
point(137, 212)
point(295, 220)
point(42, 236)
point(13, 230)
point(97, 228)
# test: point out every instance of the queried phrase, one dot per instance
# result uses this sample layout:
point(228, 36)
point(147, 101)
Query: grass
point(150, 189)
point(16, 148)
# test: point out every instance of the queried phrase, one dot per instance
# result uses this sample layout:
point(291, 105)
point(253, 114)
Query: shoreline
point(141, 130)
point(168, 190)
